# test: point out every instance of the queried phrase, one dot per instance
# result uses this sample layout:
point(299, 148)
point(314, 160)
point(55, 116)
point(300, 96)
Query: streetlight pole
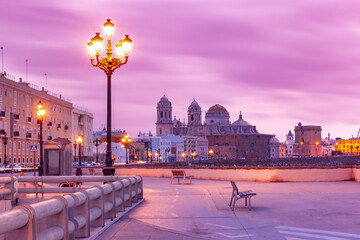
point(75, 152)
point(126, 140)
point(5, 140)
point(97, 143)
point(79, 140)
point(109, 64)
point(41, 113)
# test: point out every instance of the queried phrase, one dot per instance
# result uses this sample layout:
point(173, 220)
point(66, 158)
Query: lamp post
point(109, 64)
point(150, 155)
point(126, 140)
point(316, 149)
point(211, 153)
point(5, 141)
point(97, 142)
point(75, 152)
point(79, 140)
point(193, 155)
point(41, 113)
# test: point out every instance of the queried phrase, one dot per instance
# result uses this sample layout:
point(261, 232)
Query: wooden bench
point(237, 195)
point(179, 174)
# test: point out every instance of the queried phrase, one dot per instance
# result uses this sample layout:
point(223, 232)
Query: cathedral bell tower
point(164, 122)
point(194, 118)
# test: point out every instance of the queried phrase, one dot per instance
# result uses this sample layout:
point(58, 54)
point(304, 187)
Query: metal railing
point(70, 216)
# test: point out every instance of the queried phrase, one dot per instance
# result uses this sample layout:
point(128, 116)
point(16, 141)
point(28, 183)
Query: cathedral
point(240, 139)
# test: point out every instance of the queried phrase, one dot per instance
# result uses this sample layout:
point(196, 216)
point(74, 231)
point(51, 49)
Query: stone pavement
point(291, 211)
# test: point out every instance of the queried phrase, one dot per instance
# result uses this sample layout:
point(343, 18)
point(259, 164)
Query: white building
point(202, 148)
point(82, 124)
point(277, 149)
point(289, 143)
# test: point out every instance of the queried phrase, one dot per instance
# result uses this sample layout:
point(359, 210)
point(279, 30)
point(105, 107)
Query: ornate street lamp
point(97, 142)
point(126, 140)
point(41, 113)
point(5, 141)
point(79, 140)
point(109, 64)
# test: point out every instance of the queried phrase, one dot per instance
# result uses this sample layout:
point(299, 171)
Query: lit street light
point(211, 153)
point(109, 64)
point(41, 113)
point(126, 142)
point(97, 142)
point(79, 140)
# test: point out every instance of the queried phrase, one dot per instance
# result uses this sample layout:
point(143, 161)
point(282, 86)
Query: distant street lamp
point(79, 140)
point(126, 140)
point(5, 141)
point(211, 153)
point(149, 155)
point(109, 64)
point(97, 142)
point(193, 155)
point(41, 113)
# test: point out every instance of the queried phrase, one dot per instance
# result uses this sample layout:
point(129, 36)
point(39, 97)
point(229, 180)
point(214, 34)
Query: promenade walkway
point(291, 211)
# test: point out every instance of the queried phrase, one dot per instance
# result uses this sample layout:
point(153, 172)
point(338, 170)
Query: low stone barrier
point(292, 174)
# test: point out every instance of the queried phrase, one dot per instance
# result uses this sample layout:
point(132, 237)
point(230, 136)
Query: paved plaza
point(288, 210)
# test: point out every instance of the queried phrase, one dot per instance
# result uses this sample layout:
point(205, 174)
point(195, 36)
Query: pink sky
point(279, 62)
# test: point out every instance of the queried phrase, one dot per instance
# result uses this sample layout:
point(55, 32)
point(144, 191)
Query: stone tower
point(164, 122)
point(194, 119)
point(289, 136)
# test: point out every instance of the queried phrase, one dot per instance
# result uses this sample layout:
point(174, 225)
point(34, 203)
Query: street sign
point(33, 148)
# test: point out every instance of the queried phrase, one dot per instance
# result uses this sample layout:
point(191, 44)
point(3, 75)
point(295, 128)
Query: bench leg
point(178, 180)
point(249, 203)
point(233, 206)
point(245, 201)
point(183, 180)
point(190, 180)
point(231, 200)
point(172, 178)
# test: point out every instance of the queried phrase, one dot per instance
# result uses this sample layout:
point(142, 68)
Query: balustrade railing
point(70, 216)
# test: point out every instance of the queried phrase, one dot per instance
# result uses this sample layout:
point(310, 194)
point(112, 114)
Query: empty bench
point(237, 195)
point(180, 174)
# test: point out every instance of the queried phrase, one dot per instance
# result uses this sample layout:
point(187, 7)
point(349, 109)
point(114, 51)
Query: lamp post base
point(78, 172)
point(41, 171)
point(108, 171)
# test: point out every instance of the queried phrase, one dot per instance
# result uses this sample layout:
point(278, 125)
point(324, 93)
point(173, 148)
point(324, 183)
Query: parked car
point(2, 168)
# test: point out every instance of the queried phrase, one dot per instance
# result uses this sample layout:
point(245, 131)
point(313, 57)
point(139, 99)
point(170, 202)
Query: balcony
point(16, 134)
point(16, 117)
point(49, 138)
point(81, 120)
point(58, 125)
point(28, 120)
point(28, 135)
point(49, 124)
point(2, 114)
point(66, 127)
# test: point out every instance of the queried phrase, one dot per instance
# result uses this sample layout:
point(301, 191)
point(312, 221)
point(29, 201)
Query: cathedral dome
point(194, 107)
point(164, 102)
point(241, 122)
point(217, 109)
point(274, 140)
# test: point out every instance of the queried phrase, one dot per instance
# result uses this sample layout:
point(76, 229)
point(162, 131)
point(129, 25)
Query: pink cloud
point(278, 61)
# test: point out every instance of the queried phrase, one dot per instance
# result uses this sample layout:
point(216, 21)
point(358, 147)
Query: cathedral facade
point(243, 138)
